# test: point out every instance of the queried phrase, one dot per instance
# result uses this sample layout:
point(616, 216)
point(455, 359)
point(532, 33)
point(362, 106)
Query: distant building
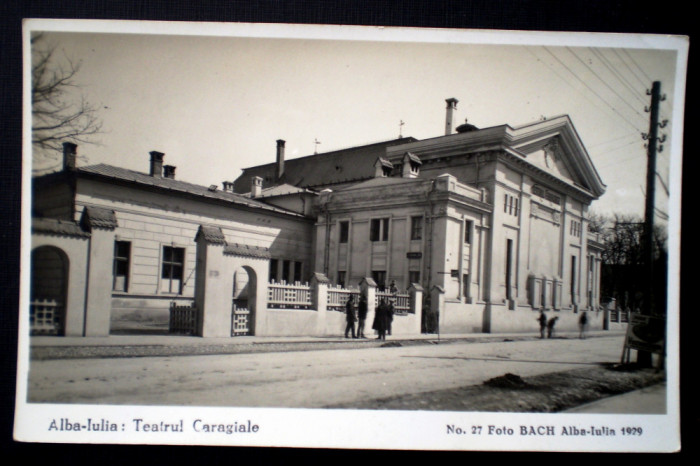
point(489, 224)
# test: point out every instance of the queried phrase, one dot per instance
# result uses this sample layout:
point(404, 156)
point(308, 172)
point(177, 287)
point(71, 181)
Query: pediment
point(554, 161)
point(554, 147)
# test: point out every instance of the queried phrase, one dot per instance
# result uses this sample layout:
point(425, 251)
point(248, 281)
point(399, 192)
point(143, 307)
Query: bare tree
point(60, 113)
point(623, 259)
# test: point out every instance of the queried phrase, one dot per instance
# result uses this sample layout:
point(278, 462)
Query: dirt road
point(310, 379)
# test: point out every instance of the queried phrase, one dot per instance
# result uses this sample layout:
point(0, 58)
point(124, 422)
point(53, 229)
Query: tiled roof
point(414, 158)
point(58, 227)
point(97, 217)
point(178, 186)
point(236, 249)
point(211, 234)
point(320, 170)
point(280, 190)
point(384, 162)
point(383, 181)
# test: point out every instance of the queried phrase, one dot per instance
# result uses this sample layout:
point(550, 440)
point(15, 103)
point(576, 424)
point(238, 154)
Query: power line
point(598, 144)
point(642, 81)
point(590, 89)
point(618, 75)
point(605, 83)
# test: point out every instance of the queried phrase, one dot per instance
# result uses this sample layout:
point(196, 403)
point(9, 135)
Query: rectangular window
point(414, 277)
point(379, 229)
point(379, 277)
point(173, 269)
point(575, 229)
point(510, 205)
point(274, 276)
point(416, 228)
point(509, 268)
point(286, 272)
point(344, 232)
point(467, 232)
point(341, 278)
point(120, 267)
point(297, 271)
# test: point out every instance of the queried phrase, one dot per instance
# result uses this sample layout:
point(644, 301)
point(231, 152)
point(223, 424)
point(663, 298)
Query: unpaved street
point(309, 379)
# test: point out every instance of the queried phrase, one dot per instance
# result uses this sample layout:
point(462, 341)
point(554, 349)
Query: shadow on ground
point(546, 393)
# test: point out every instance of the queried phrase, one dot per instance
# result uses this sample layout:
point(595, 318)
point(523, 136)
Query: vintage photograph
point(263, 234)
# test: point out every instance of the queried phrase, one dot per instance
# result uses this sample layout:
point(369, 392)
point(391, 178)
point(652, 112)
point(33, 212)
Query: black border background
point(624, 16)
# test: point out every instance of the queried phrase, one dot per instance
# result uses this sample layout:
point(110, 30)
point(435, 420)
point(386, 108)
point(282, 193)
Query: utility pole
point(644, 357)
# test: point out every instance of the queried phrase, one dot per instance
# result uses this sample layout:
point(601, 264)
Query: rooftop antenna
point(316, 143)
point(401, 123)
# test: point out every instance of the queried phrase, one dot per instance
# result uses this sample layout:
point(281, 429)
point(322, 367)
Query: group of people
point(383, 317)
point(548, 325)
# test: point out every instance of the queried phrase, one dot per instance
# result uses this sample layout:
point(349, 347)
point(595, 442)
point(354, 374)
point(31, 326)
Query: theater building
point(485, 226)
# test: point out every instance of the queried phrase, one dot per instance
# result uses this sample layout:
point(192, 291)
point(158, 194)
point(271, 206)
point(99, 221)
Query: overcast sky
point(214, 105)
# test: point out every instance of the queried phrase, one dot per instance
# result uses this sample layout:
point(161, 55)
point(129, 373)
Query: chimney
point(451, 106)
point(157, 164)
point(280, 158)
point(169, 171)
point(256, 186)
point(70, 156)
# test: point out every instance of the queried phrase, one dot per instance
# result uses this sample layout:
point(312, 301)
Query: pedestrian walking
point(350, 318)
point(379, 323)
point(582, 324)
point(361, 316)
point(550, 326)
point(542, 319)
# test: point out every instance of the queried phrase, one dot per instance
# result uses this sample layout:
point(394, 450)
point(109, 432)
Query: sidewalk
point(181, 340)
point(44, 347)
point(648, 400)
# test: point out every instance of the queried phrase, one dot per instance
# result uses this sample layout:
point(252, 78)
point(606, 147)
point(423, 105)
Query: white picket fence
point(401, 301)
point(338, 297)
point(283, 295)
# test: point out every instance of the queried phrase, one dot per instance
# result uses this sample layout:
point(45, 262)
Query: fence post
point(368, 287)
point(213, 284)
point(437, 305)
point(416, 293)
point(319, 298)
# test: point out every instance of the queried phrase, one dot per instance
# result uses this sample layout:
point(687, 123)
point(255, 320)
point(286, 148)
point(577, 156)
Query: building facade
point(487, 225)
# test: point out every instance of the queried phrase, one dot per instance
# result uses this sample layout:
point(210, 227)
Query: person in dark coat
point(582, 324)
point(379, 323)
point(550, 326)
point(542, 319)
point(350, 318)
point(362, 316)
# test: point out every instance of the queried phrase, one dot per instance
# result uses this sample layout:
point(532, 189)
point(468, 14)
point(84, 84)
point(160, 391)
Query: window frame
point(343, 232)
point(379, 229)
point(172, 265)
point(124, 260)
point(417, 228)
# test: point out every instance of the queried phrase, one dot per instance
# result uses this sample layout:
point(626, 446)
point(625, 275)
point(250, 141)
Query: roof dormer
point(411, 165)
point(382, 168)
